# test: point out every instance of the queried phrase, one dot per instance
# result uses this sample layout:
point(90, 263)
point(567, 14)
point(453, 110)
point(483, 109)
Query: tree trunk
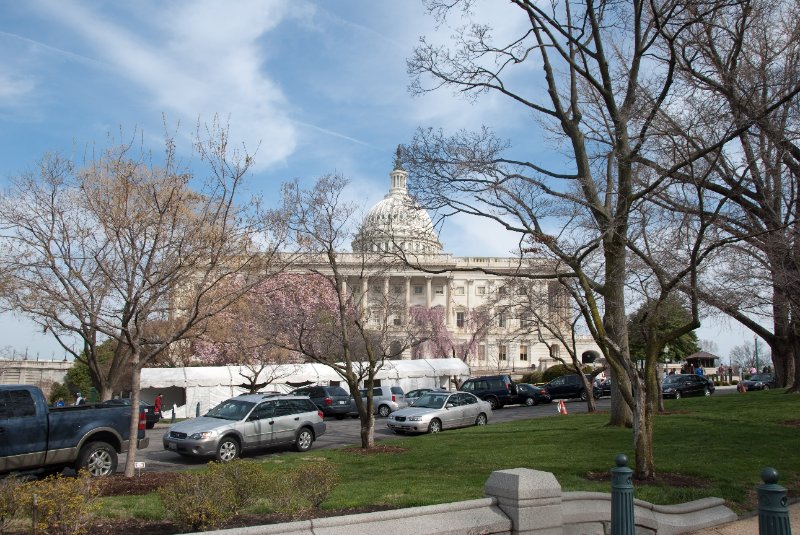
point(643, 431)
point(133, 444)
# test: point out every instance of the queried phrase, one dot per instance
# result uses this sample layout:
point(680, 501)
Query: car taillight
point(328, 401)
point(142, 420)
point(321, 416)
point(545, 392)
point(394, 399)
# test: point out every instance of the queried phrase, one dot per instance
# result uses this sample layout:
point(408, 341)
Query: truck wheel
point(227, 450)
point(493, 403)
point(383, 411)
point(583, 395)
point(98, 458)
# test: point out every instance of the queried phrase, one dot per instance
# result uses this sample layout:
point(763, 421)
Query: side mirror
point(449, 406)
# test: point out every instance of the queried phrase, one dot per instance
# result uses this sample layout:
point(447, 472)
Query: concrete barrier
point(519, 501)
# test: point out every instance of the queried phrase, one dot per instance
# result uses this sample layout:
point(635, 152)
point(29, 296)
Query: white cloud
point(199, 60)
point(14, 88)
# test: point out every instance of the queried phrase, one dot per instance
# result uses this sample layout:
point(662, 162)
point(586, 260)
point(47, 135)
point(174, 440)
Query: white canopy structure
point(194, 390)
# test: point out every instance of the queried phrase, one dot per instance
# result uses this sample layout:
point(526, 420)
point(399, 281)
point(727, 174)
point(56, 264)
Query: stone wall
point(518, 501)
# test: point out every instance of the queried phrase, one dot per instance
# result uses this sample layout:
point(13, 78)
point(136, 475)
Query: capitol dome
point(397, 222)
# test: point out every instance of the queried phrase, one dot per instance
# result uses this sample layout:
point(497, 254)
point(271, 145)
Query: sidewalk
point(748, 525)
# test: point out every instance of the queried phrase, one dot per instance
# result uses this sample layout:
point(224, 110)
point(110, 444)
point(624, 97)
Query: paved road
point(347, 432)
point(339, 433)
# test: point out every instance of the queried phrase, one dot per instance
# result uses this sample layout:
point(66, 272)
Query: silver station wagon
point(247, 422)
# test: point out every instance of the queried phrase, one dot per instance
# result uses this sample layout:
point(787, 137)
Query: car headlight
point(202, 435)
point(414, 418)
point(670, 389)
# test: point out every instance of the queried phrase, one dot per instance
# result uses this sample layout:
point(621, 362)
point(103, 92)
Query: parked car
point(682, 385)
point(41, 439)
point(331, 400)
point(386, 399)
point(570, 387)
point(498, 390)
point(604, 387)
point(435, 411)
point(412, 395)
point(247, 422)
point(760, 381)
point(532, 395)
point(149, 410)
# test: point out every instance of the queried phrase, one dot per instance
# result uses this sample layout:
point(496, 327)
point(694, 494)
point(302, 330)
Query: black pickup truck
point(38, 438)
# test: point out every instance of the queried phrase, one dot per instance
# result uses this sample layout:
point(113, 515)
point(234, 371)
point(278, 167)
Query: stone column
point(447, 304)
point(428, 290)
point(530, 498)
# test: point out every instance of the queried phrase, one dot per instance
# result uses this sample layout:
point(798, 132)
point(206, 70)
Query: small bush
point(62, 505)
point(11, 490)
point(303, 488)
point(284, 496)
point(248, 480)
point(198, 500)
point(533, 377)
point(317, 479)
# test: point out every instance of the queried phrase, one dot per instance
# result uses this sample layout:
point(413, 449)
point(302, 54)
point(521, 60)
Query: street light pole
point(755, 338)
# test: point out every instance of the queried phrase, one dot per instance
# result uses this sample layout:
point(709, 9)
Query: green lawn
point(722, 441)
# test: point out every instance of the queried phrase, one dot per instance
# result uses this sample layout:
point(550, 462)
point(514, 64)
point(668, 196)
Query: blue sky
point(318, 87)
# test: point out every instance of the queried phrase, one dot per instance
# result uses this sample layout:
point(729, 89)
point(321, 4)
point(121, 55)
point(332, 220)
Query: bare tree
point(336, 308)
point(139, 253)
point(606, 74)
point(738, 73)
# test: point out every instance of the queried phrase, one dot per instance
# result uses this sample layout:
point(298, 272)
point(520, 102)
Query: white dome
point(396, 222)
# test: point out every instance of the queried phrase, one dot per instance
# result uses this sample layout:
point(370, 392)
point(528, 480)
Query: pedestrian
point(60, 402)
point(79, 399)
point(741, 388)
point(700, 370)
point(157, 405)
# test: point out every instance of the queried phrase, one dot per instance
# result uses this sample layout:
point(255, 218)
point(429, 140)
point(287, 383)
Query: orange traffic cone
point(562, 408)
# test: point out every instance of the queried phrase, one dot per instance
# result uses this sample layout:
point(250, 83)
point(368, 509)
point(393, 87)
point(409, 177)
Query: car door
point(557, 387)
point(453, 414)
point(471, 408)
point(258, 429)
point(23, 433)
point(285, 422)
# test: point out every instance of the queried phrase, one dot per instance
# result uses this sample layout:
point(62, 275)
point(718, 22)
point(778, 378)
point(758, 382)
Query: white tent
point(195, 390)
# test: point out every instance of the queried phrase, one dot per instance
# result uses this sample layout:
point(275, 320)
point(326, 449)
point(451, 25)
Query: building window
point(481, 352)
point(501, 290)
point(458, 290)
point(554, 351)
point(501, 320)
point(523, 353)
point(439, 290)
point(524, 320)
point(460, 319)
point(417, 290)
point(480, 290)
point(502, 352)
point(397, 320)
point(396, 289)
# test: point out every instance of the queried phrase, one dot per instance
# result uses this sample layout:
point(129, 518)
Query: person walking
point(157, 405)
point(79, 399)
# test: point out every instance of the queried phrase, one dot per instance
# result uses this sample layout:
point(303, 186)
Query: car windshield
point(233, 409)
point(431, 401)
point(758, 377)
point(670, 379)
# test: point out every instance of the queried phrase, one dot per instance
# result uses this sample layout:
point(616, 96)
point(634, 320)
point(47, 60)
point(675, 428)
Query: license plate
point(172, 445)
point(342, 402)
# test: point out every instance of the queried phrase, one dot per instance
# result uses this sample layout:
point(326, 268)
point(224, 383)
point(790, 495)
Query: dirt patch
point(147, 482)
point(669, 479)
point(791, 423)
point(377, 449)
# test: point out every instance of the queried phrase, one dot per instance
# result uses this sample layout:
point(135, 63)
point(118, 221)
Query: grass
point(722, 441)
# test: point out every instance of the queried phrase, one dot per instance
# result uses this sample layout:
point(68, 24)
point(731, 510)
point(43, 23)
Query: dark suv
point(331, 400)
point(498, 390)
point(570, 387)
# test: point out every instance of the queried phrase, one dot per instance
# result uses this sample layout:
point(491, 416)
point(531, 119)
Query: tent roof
point(291, 373)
